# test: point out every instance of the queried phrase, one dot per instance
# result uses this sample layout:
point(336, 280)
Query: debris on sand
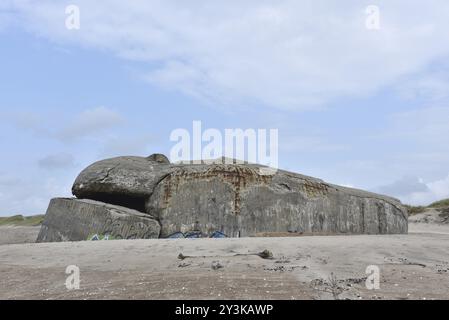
point(266, 254)
point(184, 265)
point(216, 265)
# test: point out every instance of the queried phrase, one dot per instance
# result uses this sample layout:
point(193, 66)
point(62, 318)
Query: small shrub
point(440, 204)
point(412, 210)
point(21, 221)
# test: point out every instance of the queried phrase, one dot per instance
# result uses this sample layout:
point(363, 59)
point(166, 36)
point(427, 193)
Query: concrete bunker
point(234, 199)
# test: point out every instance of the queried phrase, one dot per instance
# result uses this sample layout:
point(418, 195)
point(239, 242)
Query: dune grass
point(420, 209)
point(21, 221)
point(440, 204)
point(415, 209)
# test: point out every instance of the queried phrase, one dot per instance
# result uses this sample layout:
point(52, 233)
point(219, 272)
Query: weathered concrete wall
point(76, 220)
point(236, 199)
point(126, 181)
point(239, 202)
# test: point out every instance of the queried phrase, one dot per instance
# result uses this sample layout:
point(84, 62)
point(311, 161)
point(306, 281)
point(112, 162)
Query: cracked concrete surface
point(236, 199)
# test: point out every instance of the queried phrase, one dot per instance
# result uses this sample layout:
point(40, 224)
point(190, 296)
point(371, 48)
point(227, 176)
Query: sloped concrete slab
point(78, 220)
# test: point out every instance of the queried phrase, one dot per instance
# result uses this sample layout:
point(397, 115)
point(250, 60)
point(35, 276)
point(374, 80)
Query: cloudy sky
point(357, 106)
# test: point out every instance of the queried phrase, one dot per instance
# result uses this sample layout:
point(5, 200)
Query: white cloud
point(68, 127)
point(414, 191)
point(7, 180)
point(27, 120)
point(90, 122)
point(404, 187)
point(30, 195)
point(57, 161)
point(5, 20)
point(432, 86)
point(284, 54)
point(427, 127)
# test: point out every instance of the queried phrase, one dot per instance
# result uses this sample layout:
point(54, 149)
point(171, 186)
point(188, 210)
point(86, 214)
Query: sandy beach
point(413, 266)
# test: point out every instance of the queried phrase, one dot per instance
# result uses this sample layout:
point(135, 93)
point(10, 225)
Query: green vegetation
point(440, 204)
point(21, 221)
point(412, 210)
point(420, 209)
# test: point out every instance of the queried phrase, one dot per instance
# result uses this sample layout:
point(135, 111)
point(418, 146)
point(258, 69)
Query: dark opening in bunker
point(128, 201)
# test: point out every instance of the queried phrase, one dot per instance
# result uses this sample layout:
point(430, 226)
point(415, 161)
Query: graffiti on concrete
point(120, 229)
point(196, 235)
point(98, 237)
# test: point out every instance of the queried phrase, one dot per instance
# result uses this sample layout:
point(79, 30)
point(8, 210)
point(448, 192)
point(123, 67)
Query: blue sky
point(359, 107)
